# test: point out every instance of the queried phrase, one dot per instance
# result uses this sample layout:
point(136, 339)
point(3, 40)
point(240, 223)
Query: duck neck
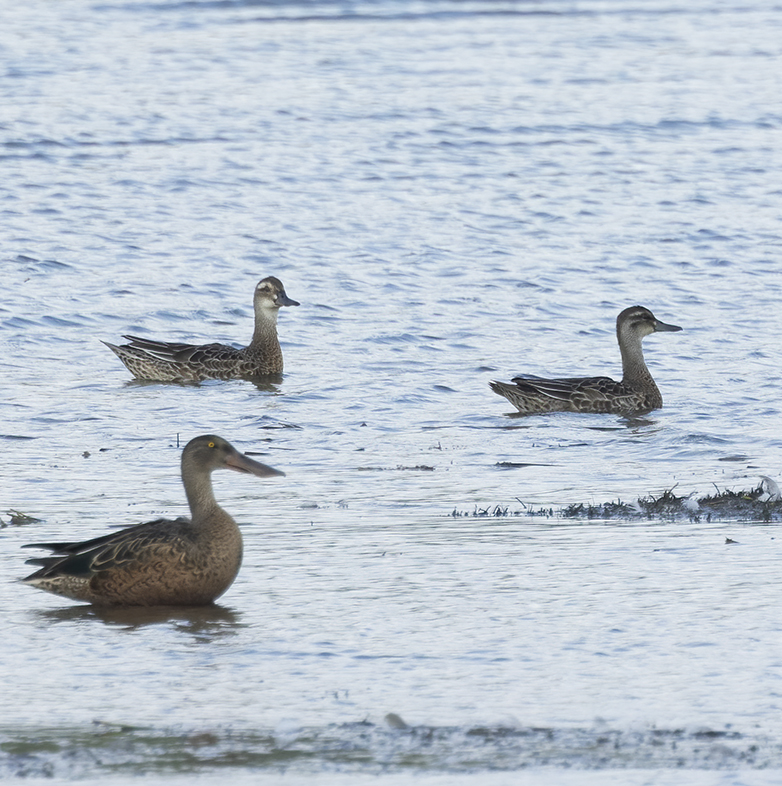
point(265, 332)
point(634, 370)
point(198, 489)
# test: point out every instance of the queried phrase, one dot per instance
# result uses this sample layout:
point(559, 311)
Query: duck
point(635, 393)
point(163, 361)
point(180, 562)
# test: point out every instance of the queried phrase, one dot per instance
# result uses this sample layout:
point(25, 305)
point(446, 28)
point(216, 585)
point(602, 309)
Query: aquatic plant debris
point(362, 747)
point(18, 519)
point(753, 505)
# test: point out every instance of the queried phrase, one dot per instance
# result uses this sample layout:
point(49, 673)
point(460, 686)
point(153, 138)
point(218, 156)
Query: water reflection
point(637, 421)
point(269, 383)
point(145, 383)
point(203, 622)
point(619, 423)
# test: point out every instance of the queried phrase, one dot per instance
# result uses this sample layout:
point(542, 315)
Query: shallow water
point(455, 192)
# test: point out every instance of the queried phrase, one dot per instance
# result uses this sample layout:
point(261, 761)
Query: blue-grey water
point(455, 192)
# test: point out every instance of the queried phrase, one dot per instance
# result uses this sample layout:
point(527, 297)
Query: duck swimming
point(636, 392)
point(162, 361)
point(181, 562)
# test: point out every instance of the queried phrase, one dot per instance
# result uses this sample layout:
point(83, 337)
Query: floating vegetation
point(17, 519)
point(416, 468)
point(71, 754)
point(517, 465)
point(666, 506)
point(757, 504)
point(498, 511)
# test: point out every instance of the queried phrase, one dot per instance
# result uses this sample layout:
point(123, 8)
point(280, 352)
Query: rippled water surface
point(455, 192)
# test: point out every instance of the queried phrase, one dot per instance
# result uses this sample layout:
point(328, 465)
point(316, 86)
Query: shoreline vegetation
point(762, 504)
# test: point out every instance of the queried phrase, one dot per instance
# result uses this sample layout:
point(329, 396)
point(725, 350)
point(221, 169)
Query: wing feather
point(171, 352)
point(564, 388)
point(85, 558)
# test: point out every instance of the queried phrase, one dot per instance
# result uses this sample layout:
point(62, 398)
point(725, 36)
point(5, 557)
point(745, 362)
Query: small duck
point(181, 562)
point(636, 392)
point(162, 361)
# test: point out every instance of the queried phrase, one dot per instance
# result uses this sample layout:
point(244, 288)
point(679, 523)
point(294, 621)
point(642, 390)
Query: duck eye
point(211, 444)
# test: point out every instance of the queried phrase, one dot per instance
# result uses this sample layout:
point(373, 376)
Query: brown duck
point(181, 562)
point(162, 361)
point(636, 392)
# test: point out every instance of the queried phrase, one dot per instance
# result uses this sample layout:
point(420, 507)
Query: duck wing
point(563, 388)
point(171, 352)
point(85, 558)
point(584, 394)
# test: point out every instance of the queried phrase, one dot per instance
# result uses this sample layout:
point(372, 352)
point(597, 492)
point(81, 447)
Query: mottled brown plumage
point(181, 562)
point(637, 391)
point(171, 362)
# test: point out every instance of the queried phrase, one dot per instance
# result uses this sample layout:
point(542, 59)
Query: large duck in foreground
point(182, 562)
point(636, 392)
point(162, 361)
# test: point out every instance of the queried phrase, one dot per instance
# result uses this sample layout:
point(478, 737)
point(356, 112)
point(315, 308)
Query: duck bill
point(283, 300)
point(664, 327)
point(241, 463)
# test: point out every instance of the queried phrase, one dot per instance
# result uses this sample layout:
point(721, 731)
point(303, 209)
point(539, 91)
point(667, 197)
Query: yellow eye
point(211, 444)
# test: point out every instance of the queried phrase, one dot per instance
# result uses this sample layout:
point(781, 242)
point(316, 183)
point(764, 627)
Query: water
point(455, 192)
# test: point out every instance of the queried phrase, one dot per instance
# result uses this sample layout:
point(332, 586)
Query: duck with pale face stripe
point(163, 361)
point(636, 392)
